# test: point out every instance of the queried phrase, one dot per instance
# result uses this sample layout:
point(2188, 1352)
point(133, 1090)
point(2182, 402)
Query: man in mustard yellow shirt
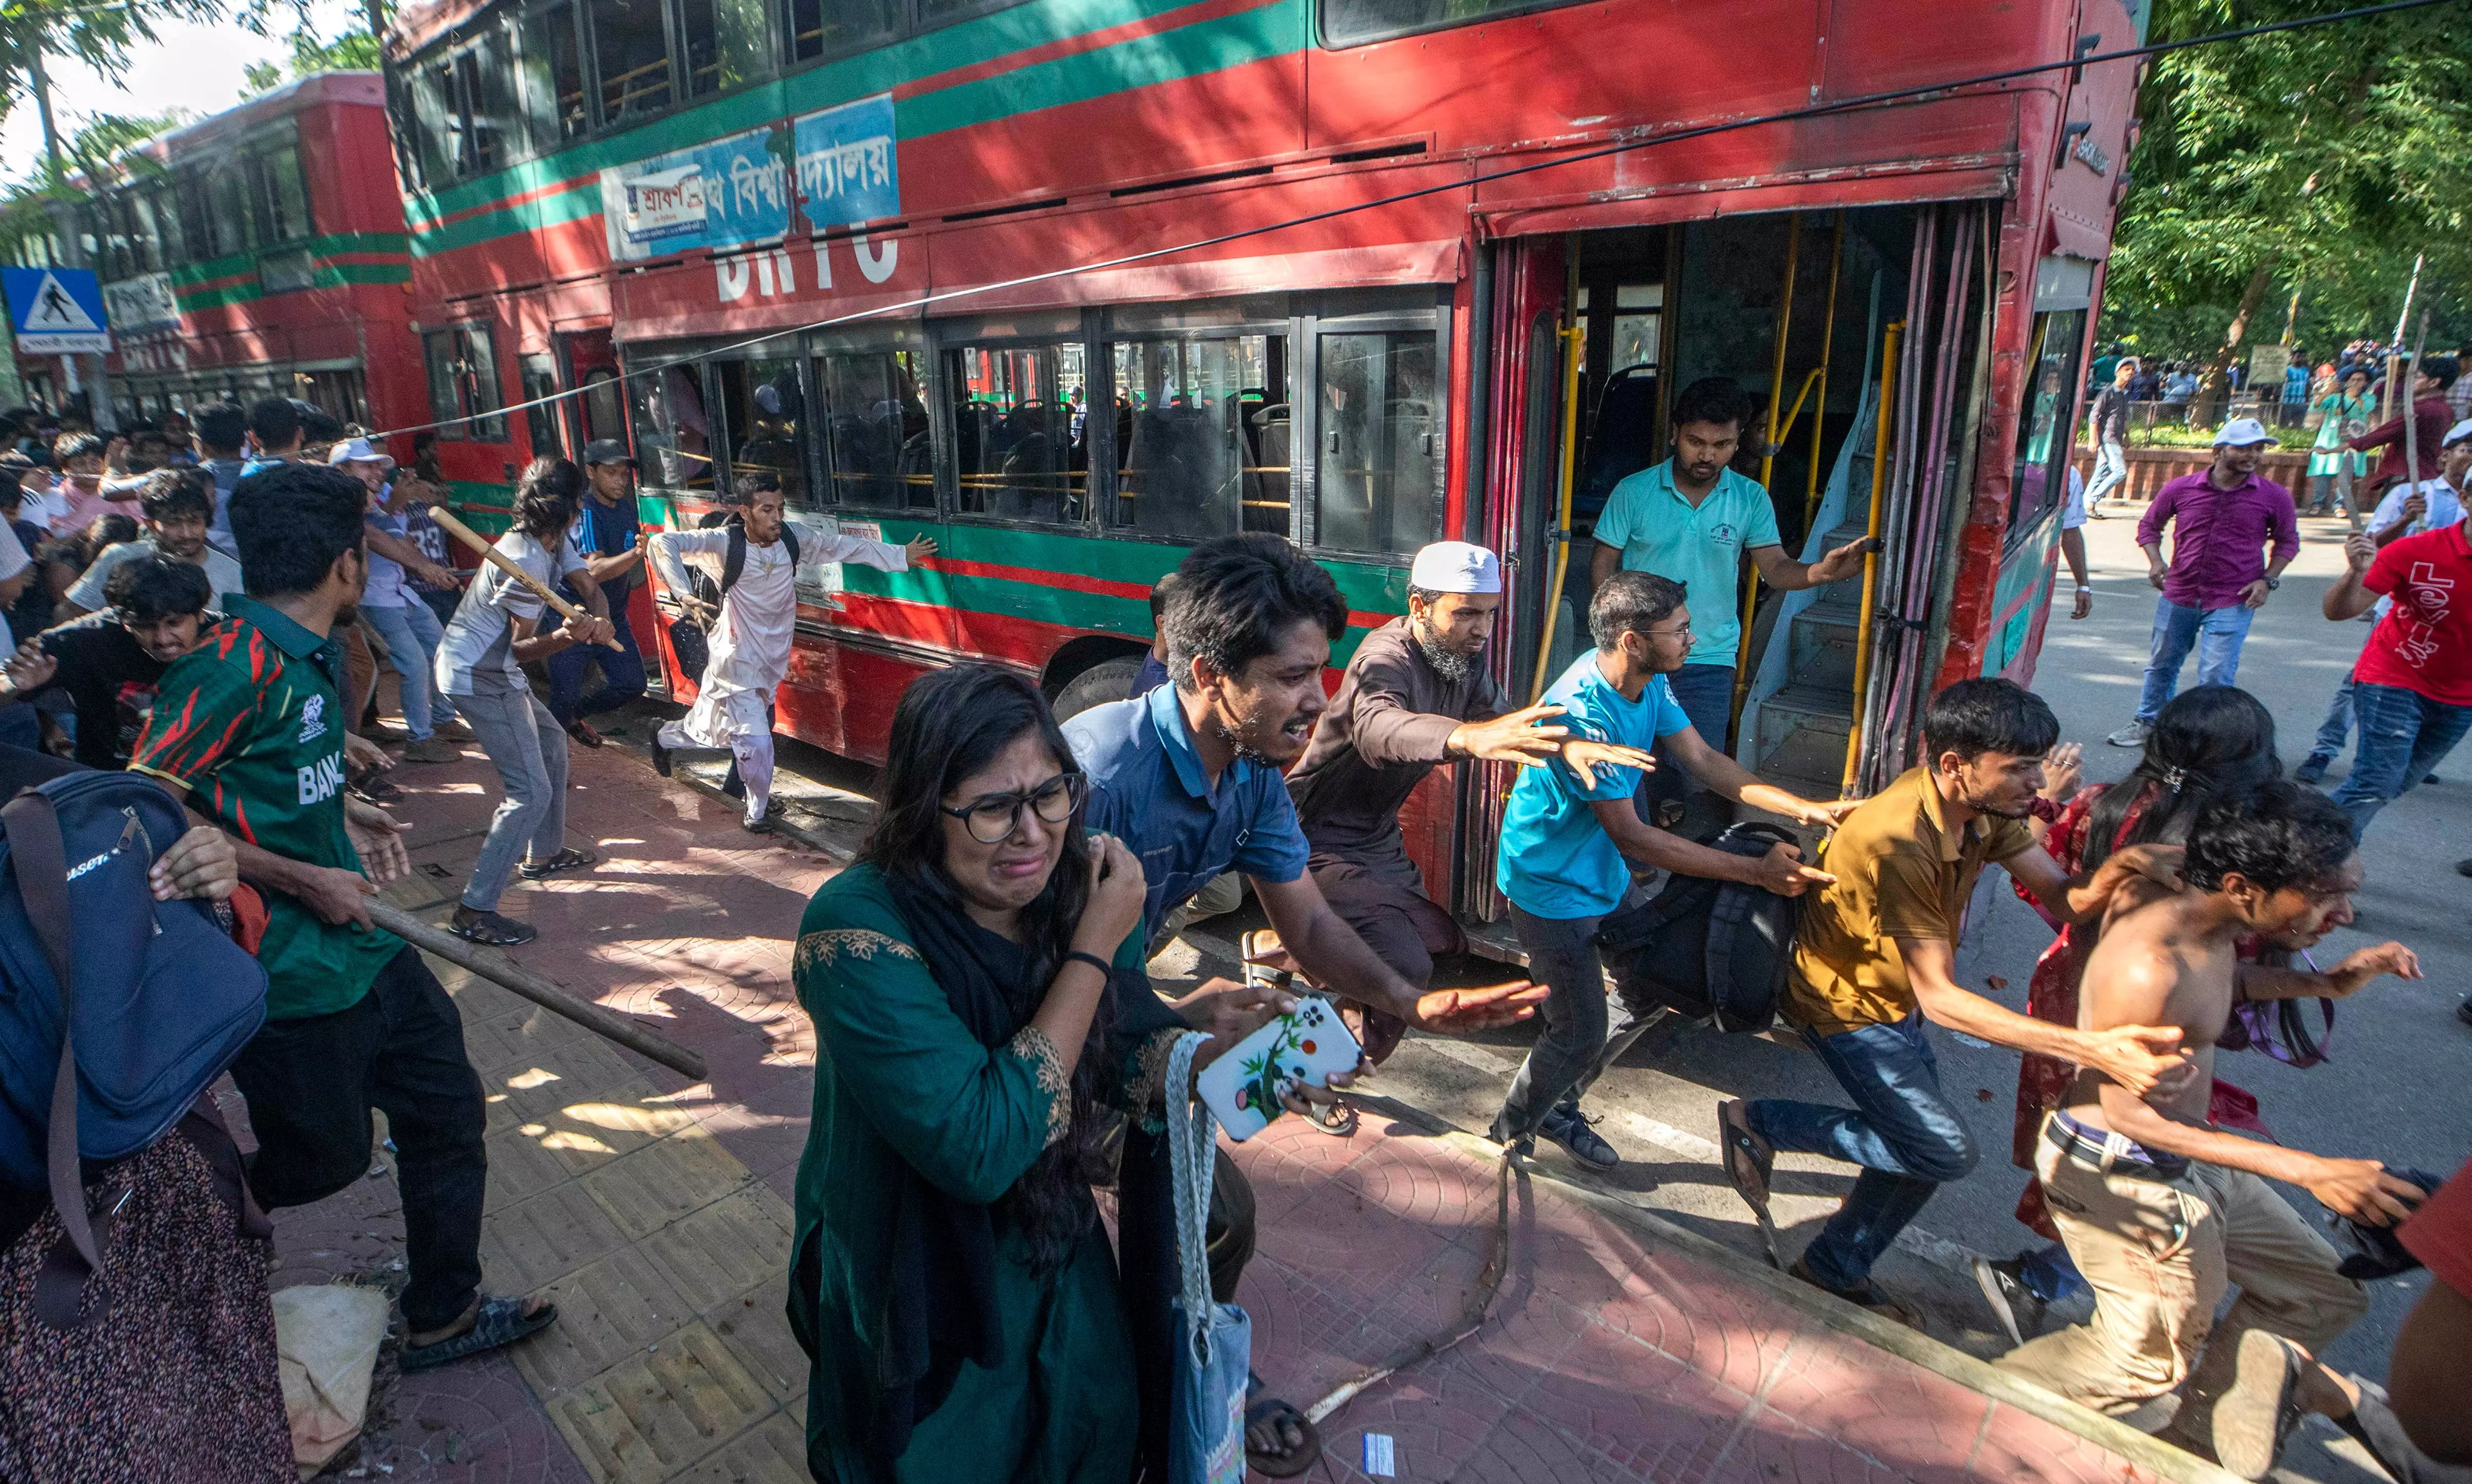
point(1876, 956)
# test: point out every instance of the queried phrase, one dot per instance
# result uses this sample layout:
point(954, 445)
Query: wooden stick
point(490, 553)
point(2410, 422)
point(600, 1020)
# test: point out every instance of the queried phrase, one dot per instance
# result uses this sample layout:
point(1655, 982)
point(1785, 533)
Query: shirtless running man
point(2161, 1211)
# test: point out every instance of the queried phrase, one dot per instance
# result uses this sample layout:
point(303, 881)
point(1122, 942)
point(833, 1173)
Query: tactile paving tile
point(648, 1190)
point(500, 1029)
point(755, 1326)
point(546, 1237)
point(608, 1311)
point(647, 1420)
point(774, 1452)
point(718, 1252)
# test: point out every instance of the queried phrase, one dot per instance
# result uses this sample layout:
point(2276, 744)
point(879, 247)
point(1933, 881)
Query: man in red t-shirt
point(2413, 686)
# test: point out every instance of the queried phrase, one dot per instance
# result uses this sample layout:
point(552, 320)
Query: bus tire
point(1105, 681)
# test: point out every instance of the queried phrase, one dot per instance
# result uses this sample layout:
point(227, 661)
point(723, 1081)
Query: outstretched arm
point(2086, 895)
point(1330, 952)
point(2140, 990)
point(1785, 574)
point(1740, 783)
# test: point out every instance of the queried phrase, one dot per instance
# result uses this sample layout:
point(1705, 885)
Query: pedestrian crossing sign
point(53, 310)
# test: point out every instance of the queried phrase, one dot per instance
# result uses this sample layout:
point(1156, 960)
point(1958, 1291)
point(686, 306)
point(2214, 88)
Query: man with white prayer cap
point(1415, 695)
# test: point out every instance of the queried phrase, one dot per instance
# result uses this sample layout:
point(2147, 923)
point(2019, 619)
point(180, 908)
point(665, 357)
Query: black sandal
point(497, 1323)
point(567, 859)
point(1865, 1297)
point(1286, 1464)
point(491, 930)
point(1750, 1162)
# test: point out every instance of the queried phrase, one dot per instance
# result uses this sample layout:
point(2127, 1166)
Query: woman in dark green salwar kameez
point(975, 1003)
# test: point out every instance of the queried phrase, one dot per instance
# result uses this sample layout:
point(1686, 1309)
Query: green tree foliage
point(103, 149)
point(103, 36)
point(352, 51)
point(2320, 160)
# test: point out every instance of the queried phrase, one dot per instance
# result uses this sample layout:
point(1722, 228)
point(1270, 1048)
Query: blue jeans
point(2110, 472)
point(1705, 693)
point(412, 633)
point(1904, 1133)
point(2215, 633)
point(2337, 728)
point(622, 677)
point(2404, 735)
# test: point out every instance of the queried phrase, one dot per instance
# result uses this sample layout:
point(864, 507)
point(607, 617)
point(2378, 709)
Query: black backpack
point(687, 638)
point(1708, 948)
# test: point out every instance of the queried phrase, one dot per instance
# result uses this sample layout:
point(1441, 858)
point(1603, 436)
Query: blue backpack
point(116, 1010)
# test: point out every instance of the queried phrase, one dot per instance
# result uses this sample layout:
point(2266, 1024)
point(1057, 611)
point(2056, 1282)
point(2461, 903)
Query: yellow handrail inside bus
point(1827, 352)
point(1571, 336)
point(1880, 419)
point(1768, 459)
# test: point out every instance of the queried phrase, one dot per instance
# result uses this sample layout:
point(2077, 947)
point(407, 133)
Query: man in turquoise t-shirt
point(1569, 841)
point(1693, 519)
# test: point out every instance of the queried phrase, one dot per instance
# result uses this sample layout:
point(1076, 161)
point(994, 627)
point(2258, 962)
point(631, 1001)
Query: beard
point(1243, 749)
point(1448, 663)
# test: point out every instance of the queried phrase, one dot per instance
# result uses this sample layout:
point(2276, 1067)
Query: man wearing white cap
point(1415, 695)
point(2222, 523)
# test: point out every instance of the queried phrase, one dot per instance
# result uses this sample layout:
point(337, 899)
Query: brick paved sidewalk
point(657, 1213)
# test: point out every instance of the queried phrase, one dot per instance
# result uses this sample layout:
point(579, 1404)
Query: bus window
point(1192, 417)
point(2039, 481)
point(231, 214)
point(764, 423)
point(820, 30)
point(877, 441)
point(464, 383)
point(1013, 431)
point(554, 78)
point(727, 44)
point(284, 205)
point(542, 421)
point(672, 437)
point(633, 48)
point(1377, 473)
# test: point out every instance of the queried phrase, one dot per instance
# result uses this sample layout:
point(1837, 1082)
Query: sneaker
point(1566, 1125)
point(433, 750)
point(2464, 868)
point(660, 757)
point(2313, 769)
point(2463, 1010)
point(453, 729)
point(2003, 1282)
point(2133, 735)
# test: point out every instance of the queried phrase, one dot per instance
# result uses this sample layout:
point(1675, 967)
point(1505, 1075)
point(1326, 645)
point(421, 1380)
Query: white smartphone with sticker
point(1244, 1088)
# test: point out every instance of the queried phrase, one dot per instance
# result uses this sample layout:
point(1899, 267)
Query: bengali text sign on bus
point(724, 194)
point(848, 170)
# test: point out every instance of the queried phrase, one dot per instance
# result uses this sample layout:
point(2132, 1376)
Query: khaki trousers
point(2159, 1256)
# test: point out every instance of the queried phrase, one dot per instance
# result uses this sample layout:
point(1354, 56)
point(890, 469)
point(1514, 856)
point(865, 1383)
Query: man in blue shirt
point(607, 533)
point(1569, 839)
point(1188, 777)
point(1693, 519)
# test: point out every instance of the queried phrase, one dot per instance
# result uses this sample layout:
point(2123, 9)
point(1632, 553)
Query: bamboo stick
point(600, 1020)
point(488, 552)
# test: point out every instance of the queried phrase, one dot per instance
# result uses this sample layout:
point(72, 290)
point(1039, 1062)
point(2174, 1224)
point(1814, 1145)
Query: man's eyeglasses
point(1682, 632)
point(991, 817)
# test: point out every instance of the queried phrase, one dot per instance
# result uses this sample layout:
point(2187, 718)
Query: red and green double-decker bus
point(614, 197)
point(258, 253)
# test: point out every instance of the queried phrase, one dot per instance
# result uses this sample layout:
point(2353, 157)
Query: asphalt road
point(2396, 1089)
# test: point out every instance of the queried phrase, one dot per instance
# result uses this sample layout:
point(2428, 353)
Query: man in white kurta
point(749, 644)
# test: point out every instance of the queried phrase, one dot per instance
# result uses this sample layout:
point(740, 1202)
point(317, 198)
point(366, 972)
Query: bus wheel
point(1105, 681)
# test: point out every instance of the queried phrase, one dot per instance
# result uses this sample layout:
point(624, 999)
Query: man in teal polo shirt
point(249, 727)
point(1693, 519)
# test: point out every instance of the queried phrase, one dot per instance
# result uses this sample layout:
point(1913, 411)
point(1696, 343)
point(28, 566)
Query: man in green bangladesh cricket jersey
point(250, 728)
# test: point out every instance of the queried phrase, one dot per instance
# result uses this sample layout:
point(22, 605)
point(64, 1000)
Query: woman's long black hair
point(950, 725)
point(2208, 743)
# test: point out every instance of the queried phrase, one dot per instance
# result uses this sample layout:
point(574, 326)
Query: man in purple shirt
point(2220, 571)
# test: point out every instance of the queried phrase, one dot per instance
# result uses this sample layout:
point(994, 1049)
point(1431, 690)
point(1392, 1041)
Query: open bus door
point(1591, 336)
